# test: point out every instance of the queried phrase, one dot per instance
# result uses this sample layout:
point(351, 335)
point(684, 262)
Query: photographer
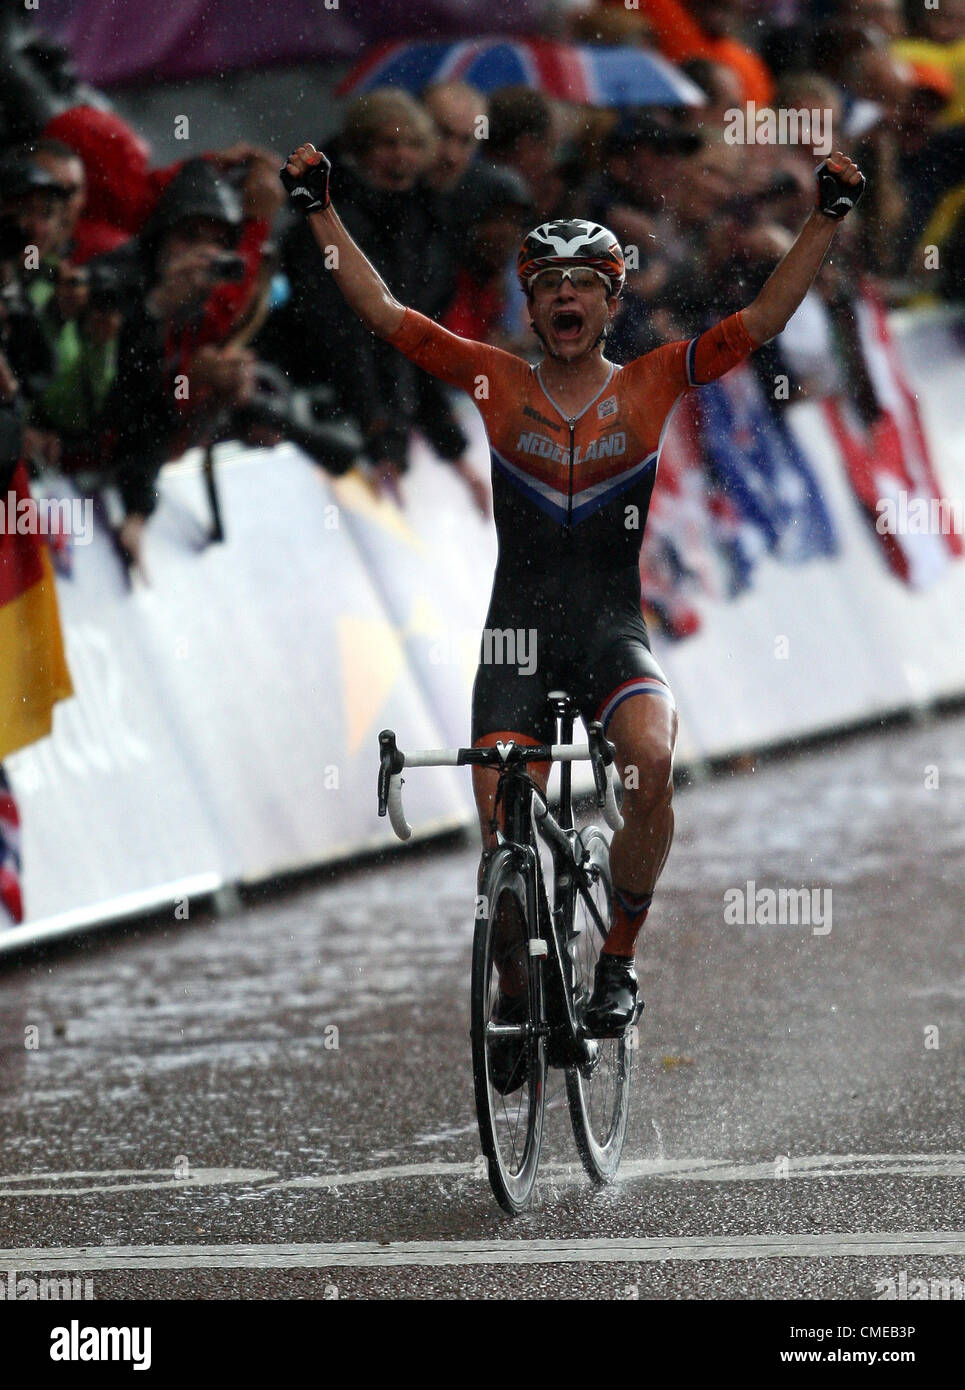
point(387, 142)
point(191, 275)
point(25, 359)
point(33, 669)
point(35, 199)
point(82, 321)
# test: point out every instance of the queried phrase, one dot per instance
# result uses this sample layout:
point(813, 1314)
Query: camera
point(227, 265)
point(13, 239)
point(106, 289)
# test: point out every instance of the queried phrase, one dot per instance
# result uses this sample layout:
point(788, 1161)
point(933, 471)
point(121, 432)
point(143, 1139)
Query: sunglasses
point(581, 277)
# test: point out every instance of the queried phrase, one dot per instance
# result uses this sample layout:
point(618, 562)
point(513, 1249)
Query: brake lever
point(602, 758)
point(390, 783)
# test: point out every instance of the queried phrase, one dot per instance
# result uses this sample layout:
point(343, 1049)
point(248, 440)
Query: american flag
point(11, 899)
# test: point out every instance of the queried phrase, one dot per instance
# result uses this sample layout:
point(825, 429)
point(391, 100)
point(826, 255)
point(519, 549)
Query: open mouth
point(567, 323)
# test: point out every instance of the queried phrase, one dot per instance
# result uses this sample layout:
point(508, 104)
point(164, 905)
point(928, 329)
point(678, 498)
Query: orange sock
point(629, 914)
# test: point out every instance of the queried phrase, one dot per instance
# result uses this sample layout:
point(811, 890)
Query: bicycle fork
point(566, 1047)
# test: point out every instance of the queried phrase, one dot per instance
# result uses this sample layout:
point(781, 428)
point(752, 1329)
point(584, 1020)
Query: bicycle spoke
point(510, 1120)
point(510, 1108)
point(598, 1100)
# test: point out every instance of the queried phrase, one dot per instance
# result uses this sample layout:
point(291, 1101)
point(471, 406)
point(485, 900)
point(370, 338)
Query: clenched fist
point(840, 186)
point(305, 179)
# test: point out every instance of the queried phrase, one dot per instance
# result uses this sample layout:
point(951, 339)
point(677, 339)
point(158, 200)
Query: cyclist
point(574, 444)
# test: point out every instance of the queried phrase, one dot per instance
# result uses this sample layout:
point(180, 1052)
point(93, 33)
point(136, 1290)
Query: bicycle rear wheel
point(511, 1124)
point(599, 1096)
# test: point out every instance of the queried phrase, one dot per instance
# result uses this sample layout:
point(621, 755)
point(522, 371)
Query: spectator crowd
point(146, 309)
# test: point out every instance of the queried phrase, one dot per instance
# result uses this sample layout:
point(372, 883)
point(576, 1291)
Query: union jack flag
point(11, 899)
point(597, 75)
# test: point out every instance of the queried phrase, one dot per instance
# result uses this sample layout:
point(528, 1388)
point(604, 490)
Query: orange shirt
point(680, 37)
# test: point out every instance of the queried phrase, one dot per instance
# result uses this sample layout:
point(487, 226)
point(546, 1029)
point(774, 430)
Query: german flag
point(33, 671)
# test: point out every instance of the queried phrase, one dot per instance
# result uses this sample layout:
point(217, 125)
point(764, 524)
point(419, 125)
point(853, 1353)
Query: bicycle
point(557, 950)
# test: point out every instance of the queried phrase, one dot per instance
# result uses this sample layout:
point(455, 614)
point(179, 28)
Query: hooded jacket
point(145, 412)
point(122, 188)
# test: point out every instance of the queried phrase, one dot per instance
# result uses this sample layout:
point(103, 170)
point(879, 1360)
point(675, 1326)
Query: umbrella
point(608, 75)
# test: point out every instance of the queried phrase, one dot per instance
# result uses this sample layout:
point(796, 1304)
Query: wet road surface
point(277, 1103)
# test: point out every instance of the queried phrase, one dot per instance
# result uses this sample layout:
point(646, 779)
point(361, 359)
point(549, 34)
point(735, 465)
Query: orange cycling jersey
point(570, 499)
point(572, 470)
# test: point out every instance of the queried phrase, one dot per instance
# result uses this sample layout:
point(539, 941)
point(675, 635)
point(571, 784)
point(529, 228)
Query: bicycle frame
point(558, 955)
point(527, 816)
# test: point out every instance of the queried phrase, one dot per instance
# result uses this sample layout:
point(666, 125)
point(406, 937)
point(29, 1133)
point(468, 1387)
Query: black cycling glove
point(835, 198)
point(308, 192)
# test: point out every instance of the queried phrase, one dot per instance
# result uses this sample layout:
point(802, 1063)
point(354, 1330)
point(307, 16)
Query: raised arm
point(305, 177)
point(840, 184)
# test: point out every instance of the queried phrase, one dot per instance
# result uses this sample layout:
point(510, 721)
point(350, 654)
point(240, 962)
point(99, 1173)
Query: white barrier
point(858, 642)
point(226, 720)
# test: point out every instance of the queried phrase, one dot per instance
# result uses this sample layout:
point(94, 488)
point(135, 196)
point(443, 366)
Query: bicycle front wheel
point(508, 1054)
point(599, 1095)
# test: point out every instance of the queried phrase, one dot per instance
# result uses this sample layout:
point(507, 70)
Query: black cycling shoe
point(615, 1002)
point(507, 1056)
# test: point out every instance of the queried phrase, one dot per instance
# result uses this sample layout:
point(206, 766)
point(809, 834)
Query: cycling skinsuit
point(570, 497)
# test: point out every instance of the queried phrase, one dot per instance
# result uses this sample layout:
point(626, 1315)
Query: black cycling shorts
point(507, 699)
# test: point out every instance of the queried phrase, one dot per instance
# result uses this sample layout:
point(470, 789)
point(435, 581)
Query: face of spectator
point(724, 95)
point(946, 24)
point(70, 290)
point(719, 18)
point(40, 214)
point(102, 325)
point(496, 239)
point(570, 320)
point(644, 173)
point(917, 116)
point(700, 188)
point(69, 173)
point(194, 234)
point(8, 277)
point(882, 78)
point(887, 14)
point(793, 207)
point(805, 98)
point(533, 157)
point(454, 116)
point(394, 158)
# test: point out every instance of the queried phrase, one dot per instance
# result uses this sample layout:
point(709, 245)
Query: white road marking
point(803, 1166)
point(370, 1254)
point(806, 1166)
point(674, 1169)
point(149, 1178)
point(430, 1169)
